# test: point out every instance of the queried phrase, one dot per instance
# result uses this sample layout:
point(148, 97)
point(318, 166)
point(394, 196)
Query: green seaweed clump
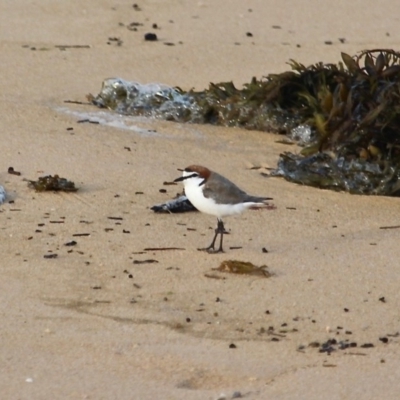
point(354, 109)
point(54, 183)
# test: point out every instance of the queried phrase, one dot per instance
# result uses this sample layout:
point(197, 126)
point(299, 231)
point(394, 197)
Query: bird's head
point(194, 174)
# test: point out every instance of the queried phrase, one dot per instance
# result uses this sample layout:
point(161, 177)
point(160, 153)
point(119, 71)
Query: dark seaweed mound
point(354, 108)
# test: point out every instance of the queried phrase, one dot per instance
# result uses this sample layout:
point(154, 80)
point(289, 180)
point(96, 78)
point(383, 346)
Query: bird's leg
point(211, 246)
point(219, 230)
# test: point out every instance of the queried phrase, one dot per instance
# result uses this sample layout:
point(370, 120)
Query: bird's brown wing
point(223, 191)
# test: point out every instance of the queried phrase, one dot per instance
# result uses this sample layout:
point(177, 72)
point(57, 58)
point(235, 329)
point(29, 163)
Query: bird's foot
point(211, 250)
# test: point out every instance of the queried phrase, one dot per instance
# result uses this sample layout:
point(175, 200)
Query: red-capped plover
point(211, 193)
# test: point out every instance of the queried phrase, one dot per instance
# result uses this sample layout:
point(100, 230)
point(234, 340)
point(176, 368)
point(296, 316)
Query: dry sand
point(91, 324)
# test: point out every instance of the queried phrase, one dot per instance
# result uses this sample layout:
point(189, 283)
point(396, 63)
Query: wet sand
point(97, 322)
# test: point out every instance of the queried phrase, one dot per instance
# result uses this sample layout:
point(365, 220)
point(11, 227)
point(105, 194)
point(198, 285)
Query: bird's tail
point(262, 203)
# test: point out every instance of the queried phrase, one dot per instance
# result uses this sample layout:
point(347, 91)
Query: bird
point(212, 193)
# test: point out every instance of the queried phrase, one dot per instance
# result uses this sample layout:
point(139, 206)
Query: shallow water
point(111, 119)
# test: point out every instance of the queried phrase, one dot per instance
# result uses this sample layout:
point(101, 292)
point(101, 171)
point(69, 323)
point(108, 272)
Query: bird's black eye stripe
point(194, 175)
point(182, 178)
point(202, 182)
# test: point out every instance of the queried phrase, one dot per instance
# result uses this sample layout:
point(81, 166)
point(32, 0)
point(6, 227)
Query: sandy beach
point(103, 316)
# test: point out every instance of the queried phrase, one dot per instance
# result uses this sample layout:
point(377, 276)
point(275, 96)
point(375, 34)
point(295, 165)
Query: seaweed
point(355, 114)
point(346, 115)
point(354, 110)
point(55, 183)
point(243, 268)
point(221, 104)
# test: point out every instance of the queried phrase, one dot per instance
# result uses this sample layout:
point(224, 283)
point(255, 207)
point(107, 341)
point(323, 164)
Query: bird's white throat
point(193, 187)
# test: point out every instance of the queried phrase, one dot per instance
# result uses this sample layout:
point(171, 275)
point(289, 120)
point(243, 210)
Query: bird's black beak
point(181, 178)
